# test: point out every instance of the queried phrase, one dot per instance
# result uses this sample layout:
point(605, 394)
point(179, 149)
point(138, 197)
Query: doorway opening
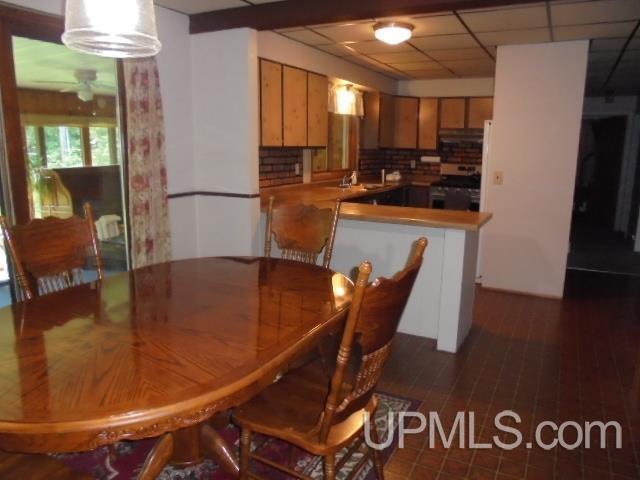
point(596, 243)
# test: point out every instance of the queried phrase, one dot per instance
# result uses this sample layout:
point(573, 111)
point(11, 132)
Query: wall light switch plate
point(498, 177)
point(413, 164)
point(297, 169)
point(428, 159)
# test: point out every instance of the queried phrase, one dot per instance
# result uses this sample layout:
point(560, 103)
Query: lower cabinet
point(418, 196)
point(396, 197)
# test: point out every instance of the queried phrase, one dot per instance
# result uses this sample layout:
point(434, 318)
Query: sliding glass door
point(63, 137)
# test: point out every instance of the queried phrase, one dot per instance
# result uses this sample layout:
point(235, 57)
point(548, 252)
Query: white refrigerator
point(484, 183)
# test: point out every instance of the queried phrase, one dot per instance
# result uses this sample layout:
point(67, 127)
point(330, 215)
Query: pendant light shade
point(112, 28)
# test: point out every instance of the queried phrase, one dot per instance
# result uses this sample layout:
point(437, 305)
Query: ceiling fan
point(85, 85)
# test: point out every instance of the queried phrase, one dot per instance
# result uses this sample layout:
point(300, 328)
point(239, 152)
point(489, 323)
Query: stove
point(458, 188)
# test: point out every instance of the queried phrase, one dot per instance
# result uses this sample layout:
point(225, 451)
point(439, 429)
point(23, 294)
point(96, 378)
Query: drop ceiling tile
point(596, 30)
point(506, 19)
point(430, 74)
point(609, 55)
point(401, 57)
point(376, 46)
point(430, 24)
point(458, 54)
point(191, 7)
point(512, 37)
point(471, 67)
point(603, 44)
point(508, 7)
point(599, 11)
point(307, 36)
point(352, 32)
point(338, 49)
point(406, 67)
point(438, 42)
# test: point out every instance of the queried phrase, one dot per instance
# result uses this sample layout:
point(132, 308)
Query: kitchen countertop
point(325, 194)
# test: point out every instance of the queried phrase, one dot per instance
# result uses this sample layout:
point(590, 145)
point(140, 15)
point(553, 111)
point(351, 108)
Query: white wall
point(537, 114)
point(224, 85)
point(598, 107)
point(448, 87)
point(281, 49)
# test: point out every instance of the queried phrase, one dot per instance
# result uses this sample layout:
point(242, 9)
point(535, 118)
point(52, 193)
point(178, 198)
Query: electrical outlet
point(297, 169)
point(498, 177)
point(413, 164)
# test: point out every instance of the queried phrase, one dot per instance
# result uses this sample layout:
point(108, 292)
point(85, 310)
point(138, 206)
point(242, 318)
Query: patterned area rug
point(131, 455)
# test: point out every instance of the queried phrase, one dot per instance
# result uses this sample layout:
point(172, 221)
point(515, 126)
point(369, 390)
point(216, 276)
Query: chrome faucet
point(346, 181)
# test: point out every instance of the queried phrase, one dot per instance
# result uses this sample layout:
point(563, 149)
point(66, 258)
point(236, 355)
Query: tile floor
point(576, 359)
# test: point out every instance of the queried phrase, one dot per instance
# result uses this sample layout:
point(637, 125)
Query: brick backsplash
point(461, 152)
point(278, 166)
point(372, 161)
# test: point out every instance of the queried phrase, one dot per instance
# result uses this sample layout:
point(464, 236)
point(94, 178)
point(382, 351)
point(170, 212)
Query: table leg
point(158, 457)
point(214, 445)
point(186, 447)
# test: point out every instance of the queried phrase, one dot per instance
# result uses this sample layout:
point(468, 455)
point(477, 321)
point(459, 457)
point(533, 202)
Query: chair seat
point(291, 408)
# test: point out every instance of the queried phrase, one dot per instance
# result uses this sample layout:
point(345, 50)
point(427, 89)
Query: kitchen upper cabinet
point(318, 116)
point(294, 107)
point(406, 122)
point(453, 112)
point(270, 104)
point(428, 124)
point(480, 109)
point(386, 134)
point(371, 120)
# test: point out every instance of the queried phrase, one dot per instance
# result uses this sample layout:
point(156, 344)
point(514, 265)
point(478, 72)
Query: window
point(63, 146)
point(340, 156)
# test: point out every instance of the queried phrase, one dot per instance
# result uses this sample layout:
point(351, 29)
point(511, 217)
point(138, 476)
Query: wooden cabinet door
point(453, 112)
point(387, 117)
point(428, 124)
point(371, 121)
point(480, 109)
point(270, 104)
point(318, 115)
point(406, 122)
point(294, 107)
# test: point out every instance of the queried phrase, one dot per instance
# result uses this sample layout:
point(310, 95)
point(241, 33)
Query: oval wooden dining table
point(156, 352)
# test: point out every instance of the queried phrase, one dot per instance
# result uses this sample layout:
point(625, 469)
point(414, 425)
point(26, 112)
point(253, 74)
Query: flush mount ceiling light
point(392, 33)
point(114, 28)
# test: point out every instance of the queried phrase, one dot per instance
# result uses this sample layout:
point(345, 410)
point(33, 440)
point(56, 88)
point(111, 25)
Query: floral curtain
point(148, 203)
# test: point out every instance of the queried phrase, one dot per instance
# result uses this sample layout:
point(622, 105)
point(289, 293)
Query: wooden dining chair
point(50, 254)
point(324, 417)
point(301, 231)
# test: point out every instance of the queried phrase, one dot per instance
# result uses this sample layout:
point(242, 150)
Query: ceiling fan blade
point(55, 83)
point(70, 89)
point(104, 86)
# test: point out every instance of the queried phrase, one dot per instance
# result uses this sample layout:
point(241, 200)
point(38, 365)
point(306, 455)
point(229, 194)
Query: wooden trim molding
point(213, 194)
point(295, 13)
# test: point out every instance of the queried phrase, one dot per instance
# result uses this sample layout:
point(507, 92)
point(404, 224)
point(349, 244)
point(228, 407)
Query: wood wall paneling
point(270, 104)
point(428, 124)
point(387, 119)
point(406, 122)
point(371, 121)
point(318, 114)
point(58, 104)
point(480, 109)
point(294, 106)
point(453, 113)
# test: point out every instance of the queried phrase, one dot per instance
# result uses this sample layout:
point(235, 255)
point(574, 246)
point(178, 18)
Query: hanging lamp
point(112, 28)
